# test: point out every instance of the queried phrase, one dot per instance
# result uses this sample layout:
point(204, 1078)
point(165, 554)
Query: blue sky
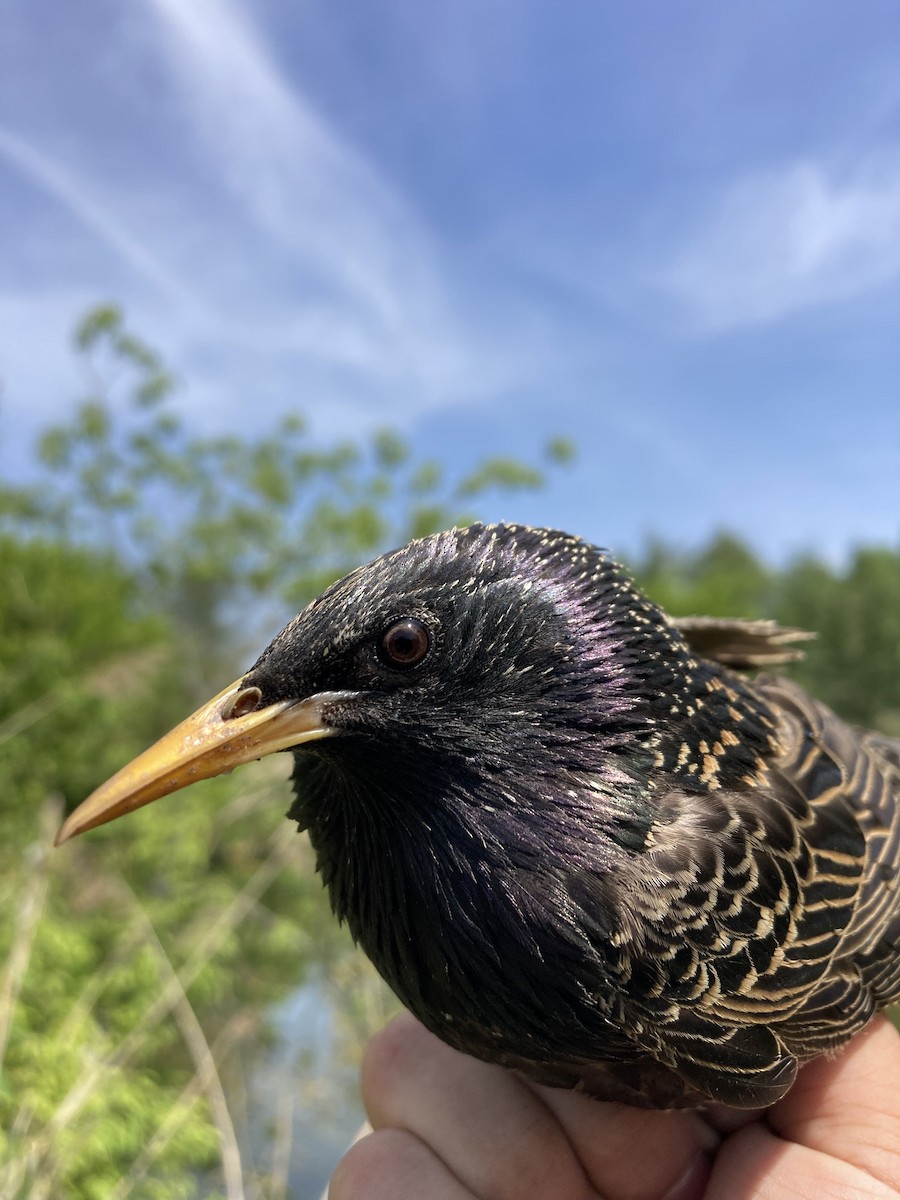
point(669, 231)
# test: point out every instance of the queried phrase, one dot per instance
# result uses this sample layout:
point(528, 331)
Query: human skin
point(448, 1127)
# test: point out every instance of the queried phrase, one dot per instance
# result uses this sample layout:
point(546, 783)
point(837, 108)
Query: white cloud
point(297, 259)
point(371, 293)
point(74, 195)
point(792, 239)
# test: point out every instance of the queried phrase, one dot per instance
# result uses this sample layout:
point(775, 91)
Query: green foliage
point(79, 675)
point(854, 665)
point(723, 579)
point(216, 525)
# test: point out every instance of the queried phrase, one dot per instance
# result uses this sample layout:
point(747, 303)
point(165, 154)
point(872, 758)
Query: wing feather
point(767, 926)
point(743, 644)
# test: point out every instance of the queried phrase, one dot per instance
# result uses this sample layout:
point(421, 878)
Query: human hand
point(448, 1127)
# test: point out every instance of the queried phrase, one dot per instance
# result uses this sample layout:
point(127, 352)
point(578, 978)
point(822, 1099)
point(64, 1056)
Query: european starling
point(570, 837)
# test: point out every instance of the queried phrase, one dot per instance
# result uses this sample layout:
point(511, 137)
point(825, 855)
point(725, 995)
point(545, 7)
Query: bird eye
point(405, 643)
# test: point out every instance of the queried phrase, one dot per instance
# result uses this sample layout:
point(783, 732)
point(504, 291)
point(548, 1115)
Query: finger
point(756, 1163)
point(849, 1106)
point(393, 1165)
point(483, 1123)
point(635, 1154)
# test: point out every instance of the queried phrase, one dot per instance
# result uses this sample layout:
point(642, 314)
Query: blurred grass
point(83, 1081)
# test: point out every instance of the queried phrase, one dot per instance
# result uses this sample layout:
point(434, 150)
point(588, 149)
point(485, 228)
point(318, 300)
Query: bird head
point(490, 659)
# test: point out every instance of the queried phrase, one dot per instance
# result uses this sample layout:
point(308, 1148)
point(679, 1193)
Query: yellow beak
point(225, 732)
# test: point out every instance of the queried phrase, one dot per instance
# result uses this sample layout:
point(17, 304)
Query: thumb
point(849, 1106)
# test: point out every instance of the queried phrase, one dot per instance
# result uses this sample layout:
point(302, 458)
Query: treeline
point(140, 573)
point(854, 608)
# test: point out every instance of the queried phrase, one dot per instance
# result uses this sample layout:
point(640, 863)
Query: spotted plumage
point(570, 835)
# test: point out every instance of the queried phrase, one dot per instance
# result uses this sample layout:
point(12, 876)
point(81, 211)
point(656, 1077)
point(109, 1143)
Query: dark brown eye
point(405, 643)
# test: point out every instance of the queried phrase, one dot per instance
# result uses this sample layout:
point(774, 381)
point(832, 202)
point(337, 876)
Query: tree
point(855, 664)
point(722, 579)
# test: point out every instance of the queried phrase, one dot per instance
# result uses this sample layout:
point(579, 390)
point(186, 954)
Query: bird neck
point(717, 731)
point(423, 870)
point(451, 890)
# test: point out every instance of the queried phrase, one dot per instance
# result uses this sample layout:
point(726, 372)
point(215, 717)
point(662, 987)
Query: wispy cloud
point(786, 240)
point(371, 290)
point(75, 196)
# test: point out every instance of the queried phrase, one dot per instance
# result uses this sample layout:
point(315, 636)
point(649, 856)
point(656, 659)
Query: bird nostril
point(246, 700)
